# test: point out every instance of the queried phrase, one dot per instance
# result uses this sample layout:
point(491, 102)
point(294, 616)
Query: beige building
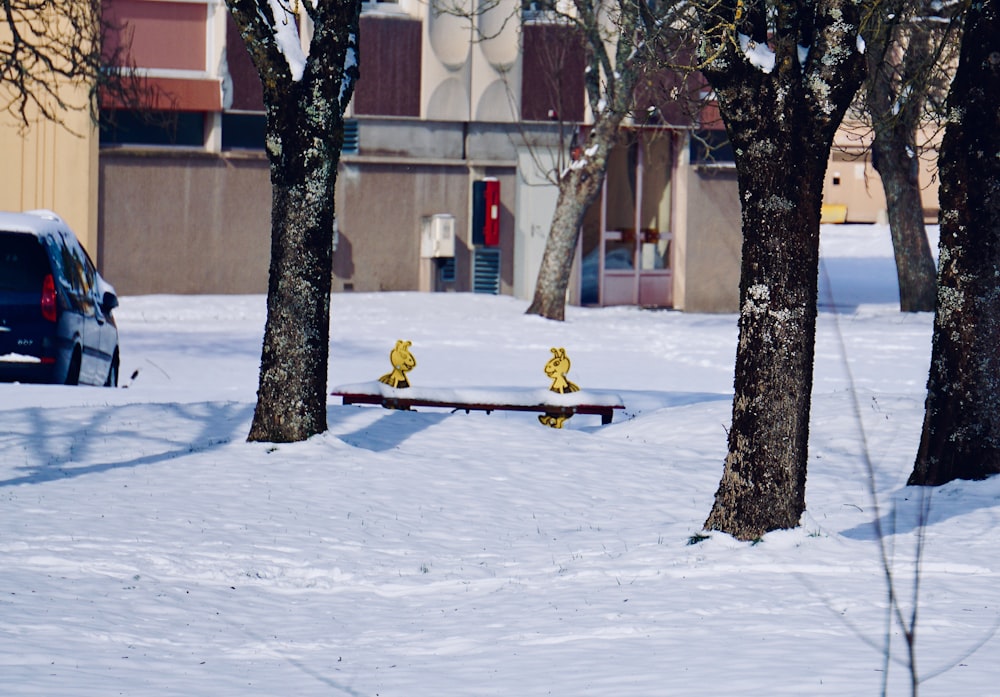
point(436, 114)
point(438, 118)
point(853, 190)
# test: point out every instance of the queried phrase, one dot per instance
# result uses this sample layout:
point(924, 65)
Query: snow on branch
point(286, 35)
point(760, 55)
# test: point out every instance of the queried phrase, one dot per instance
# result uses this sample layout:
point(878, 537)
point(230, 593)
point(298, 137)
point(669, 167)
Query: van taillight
point(49, 298)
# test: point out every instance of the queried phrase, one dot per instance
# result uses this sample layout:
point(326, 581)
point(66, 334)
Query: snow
point(350, 62)
point(286, 33)
point(19, 358)
point(148, 550)
point(803, 54)
point(760, 55)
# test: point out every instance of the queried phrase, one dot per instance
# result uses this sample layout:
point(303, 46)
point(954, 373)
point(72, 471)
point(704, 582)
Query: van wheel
point(112, 380)
point(73, 374)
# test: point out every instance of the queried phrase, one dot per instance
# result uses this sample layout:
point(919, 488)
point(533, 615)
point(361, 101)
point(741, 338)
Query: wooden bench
point(543, 401)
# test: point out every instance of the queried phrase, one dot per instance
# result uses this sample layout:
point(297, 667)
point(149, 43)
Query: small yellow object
point(402, 363)
point(556, 369)
point(554, 420)
point(833, 213)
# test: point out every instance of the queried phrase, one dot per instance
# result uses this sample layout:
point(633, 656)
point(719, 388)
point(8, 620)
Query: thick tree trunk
point(305, 97)
point(961, 432)
point(781, 122)
point(763, 483)
point(291, 399)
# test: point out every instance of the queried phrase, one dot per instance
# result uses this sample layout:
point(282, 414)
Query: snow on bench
point(485, 399)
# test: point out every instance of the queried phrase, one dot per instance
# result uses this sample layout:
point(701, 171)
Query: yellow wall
point(47, 165)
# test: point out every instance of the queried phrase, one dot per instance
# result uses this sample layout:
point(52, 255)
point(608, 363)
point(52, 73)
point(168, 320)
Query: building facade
point(445, 182)
point(439, 116)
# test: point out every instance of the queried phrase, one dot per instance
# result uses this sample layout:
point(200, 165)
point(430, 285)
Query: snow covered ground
point(148, 550)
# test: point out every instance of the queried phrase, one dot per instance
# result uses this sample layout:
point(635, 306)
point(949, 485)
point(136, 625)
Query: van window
point(23, 263)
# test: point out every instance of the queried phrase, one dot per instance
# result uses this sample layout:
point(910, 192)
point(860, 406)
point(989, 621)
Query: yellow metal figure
point(402, 363)
point(556, 369)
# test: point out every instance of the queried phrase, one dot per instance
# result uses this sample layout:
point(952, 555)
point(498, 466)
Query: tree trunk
point(549, 300)
point(305, 97)
point(291, 399)
point(961, 432)
point(763, 483)
point(895, 119)
point(578, 189)
point(781, 124)
point(899, 171)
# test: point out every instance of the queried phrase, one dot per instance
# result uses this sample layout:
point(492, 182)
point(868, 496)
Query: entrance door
point(637, 268)
point(635, 248)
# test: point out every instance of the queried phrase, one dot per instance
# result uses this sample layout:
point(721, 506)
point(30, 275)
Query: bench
point(562, 400)
point(543, 401)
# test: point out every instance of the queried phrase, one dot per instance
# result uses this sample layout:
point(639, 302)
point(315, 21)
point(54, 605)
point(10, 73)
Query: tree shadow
point(53, 446)
point(389, 431)
point(912, 507)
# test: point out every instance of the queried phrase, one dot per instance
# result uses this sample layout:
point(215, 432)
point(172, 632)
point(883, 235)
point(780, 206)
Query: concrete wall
point(190, 222)
point(708, 238)
point(380, 205)
point(184, 222)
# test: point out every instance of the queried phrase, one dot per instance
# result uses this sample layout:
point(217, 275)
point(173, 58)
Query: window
point(243, 131)
point(390, 76)
point(534, 9)
point(185, 128)
point(711, 147)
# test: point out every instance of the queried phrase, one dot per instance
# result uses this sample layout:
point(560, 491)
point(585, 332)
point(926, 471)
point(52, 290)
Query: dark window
point(711, 146)
point(185, 128)
point(554, 62)
point(390, 69)
point(23, 263)
point(532, 9)
point(243, 131)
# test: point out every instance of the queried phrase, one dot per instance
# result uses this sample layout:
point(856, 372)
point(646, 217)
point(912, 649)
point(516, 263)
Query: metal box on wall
point(437, 236)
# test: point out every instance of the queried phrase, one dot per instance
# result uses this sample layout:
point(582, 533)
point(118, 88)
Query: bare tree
point(961, 432)
point(53, 60)
point(784, 75)
point(621, 37)
point(908, 45)
point(305, 95)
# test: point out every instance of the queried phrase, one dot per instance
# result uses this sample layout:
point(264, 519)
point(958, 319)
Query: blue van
point(56, 322)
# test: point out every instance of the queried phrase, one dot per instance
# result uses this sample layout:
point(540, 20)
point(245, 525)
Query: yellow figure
point(402, 363)
point(553, 420)
point(556, 368)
